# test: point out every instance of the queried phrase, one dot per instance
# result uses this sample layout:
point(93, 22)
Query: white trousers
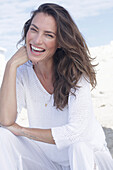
point(21, 153)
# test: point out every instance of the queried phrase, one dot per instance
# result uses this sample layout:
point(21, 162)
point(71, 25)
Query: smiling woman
point(41, 41)
point(50, 76)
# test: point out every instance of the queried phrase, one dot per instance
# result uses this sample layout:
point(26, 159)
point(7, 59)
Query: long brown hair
point(72, 59)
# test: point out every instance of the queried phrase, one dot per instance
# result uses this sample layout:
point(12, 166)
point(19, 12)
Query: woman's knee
point(79, 147)
point(81, 152)
point(5, 135)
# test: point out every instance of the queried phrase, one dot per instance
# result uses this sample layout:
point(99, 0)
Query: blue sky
point(93, 17)
point(97, 30)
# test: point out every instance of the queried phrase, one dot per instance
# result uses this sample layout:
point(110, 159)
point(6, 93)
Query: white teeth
point(36, 49)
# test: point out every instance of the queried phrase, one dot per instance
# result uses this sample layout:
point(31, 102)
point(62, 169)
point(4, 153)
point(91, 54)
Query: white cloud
point(18, 11)
point(84, 8)
point(13, 15)
point(79, 8)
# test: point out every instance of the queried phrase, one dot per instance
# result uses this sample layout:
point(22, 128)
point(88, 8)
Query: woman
point(50, 76)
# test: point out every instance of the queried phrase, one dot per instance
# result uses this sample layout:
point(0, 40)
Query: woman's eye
point(32, 29)
point(49, 35)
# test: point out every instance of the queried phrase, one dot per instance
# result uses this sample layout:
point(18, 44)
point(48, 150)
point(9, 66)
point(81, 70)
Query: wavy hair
point(72, 59)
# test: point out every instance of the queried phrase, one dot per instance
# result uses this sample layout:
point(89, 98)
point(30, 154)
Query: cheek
point(51, 45)
point(28, 37)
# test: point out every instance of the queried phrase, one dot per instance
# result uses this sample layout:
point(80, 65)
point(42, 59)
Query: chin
point(34, 61)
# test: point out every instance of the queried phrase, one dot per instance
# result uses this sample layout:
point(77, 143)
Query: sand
point(102, 95)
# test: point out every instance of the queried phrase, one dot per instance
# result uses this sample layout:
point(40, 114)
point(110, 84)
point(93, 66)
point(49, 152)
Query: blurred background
point(94, 19)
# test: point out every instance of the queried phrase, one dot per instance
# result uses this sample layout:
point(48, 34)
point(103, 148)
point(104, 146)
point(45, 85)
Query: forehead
point(45, 22)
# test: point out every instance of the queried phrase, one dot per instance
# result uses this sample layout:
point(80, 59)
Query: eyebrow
point(45, 31)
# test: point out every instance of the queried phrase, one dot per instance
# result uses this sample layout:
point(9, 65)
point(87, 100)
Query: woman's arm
point(8, 96)
point(80, 118)
point(42, 135)
point(8, 103)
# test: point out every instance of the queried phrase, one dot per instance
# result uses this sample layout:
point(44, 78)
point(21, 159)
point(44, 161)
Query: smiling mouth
point(36, 49)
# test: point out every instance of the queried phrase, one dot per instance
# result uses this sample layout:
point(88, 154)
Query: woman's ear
point(58, 46)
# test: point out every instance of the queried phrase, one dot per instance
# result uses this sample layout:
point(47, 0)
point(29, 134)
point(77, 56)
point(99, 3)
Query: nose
point(38, 39)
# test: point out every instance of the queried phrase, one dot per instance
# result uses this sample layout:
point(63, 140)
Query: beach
point(102, 95)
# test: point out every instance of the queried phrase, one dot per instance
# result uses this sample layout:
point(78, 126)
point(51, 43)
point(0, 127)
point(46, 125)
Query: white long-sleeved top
point(76, 123)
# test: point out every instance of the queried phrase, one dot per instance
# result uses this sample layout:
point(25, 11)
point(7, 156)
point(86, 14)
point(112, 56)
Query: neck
point(45, 70)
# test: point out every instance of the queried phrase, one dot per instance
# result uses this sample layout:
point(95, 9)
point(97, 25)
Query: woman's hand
point(19, 58)
point(15, 129)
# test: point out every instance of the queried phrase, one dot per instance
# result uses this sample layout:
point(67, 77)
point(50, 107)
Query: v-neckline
point(41, 83)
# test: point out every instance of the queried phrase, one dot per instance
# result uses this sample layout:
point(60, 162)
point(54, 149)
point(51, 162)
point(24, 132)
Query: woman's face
point(41, 40)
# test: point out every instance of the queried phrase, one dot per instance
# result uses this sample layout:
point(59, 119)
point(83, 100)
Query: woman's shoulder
point(83, 81)
point(82, 84)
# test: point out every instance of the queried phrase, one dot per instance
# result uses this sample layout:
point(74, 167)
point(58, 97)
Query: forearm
point(8, 106)
point(42, 135)
point(8, 103)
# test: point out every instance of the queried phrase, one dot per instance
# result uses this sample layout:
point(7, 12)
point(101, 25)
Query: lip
point(36, 47)
point(34, 52)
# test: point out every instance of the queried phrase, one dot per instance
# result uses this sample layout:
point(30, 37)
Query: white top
point(75, 123)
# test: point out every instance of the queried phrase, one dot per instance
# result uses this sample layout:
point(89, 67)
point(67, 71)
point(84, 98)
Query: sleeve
point(20, 92)
point(80, 111)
